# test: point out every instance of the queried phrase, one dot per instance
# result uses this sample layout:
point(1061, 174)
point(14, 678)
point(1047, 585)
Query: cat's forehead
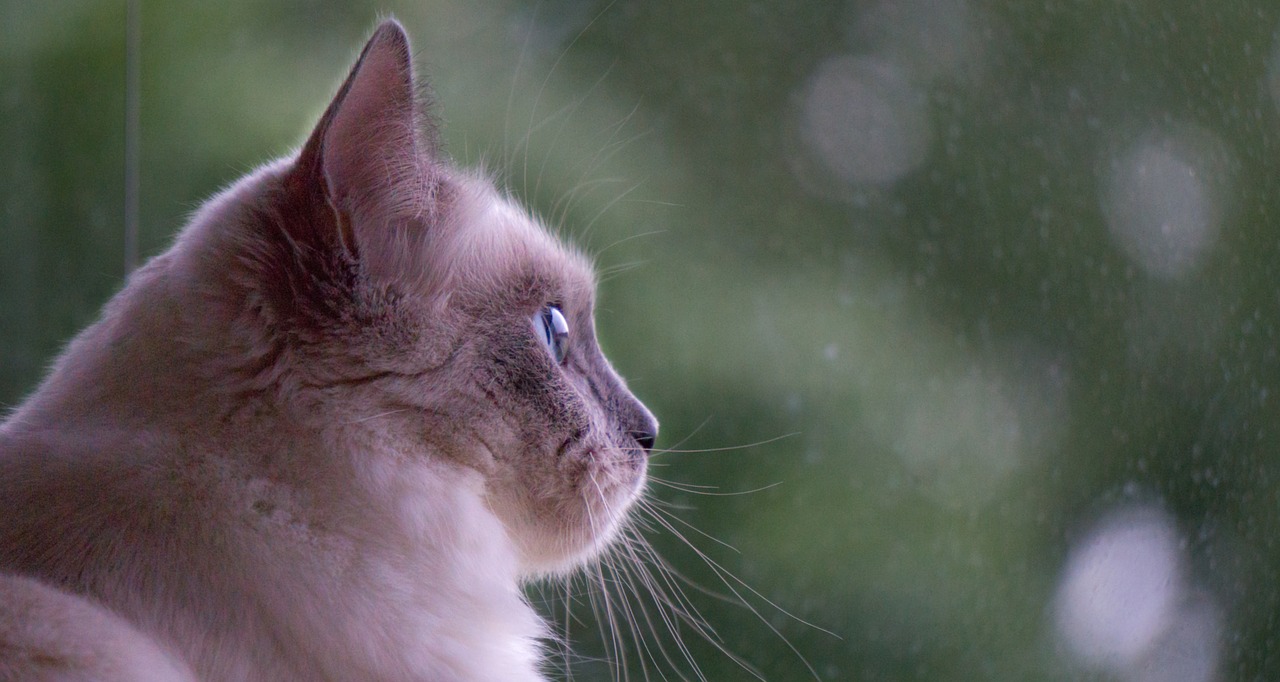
point(493, 244)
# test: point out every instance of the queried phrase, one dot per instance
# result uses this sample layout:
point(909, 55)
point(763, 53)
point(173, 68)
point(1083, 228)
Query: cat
point(327, 435)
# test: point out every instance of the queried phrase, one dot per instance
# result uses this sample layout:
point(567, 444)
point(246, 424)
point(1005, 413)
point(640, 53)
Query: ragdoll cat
point(325, 436)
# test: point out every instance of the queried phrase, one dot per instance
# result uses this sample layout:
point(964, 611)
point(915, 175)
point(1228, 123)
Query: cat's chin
point(562, 537)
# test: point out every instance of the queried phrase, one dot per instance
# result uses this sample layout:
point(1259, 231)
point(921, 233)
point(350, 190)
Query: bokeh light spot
point(1163, 200)
point(1121, 589)
point(863, 121)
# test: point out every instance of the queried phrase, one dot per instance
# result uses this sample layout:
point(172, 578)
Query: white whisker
point(686, 524)
point(379, 415)
point(674, 596)
point(543, 88)
point(631, 571)
point(708, 490)
point(729, 579)
point(727, 448)
point(612, 272)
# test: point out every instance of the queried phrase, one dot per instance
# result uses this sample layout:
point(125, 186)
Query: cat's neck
point(173, 338)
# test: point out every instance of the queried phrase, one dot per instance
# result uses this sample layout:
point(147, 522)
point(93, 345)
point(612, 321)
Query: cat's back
point(104, 552)
point(69, 496)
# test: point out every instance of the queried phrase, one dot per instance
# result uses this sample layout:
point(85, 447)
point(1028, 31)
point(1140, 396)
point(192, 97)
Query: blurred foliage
point(952, 374)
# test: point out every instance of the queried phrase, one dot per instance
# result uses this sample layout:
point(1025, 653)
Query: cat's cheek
point(629, 469)
point(618, 478)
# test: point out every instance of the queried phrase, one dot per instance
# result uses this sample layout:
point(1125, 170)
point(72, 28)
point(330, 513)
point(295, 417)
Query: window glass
point(960, 316)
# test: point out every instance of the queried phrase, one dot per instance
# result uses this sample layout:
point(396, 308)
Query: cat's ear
point(371, 156)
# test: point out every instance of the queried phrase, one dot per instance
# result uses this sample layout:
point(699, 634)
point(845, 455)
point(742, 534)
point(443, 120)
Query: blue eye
point(553, 330)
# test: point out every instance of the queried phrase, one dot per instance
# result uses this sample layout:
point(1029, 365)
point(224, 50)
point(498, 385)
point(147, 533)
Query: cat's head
point(374, 284)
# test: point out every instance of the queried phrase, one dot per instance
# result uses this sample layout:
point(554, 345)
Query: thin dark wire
point(132, 102)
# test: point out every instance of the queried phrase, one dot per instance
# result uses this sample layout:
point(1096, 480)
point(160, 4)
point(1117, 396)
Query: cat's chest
point(416, 584)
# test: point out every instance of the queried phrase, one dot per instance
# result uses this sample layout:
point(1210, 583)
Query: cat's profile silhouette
point(327, 435)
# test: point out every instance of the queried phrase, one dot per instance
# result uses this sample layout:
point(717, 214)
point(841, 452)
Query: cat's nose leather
point(638, 421)
point(646, 437)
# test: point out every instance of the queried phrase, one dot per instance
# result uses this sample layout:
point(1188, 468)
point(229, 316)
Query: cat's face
point(563, 442)
point(389, 290)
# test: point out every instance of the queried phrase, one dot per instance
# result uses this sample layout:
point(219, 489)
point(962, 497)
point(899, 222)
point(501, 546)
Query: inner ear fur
point(370, 168)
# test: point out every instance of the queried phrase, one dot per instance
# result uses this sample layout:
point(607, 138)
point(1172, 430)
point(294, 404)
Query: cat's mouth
point(629, 452)
point(608, 474)
point(607, 453)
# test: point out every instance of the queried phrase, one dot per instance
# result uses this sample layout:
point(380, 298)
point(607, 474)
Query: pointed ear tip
point(390, 30)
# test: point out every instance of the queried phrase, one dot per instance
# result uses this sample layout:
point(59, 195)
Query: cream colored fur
point(319, 438)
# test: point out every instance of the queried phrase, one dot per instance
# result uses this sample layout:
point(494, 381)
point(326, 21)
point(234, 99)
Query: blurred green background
point(974, 302)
